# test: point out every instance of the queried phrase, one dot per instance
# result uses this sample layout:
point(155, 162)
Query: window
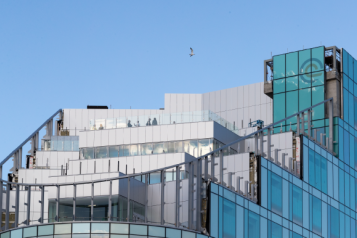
point(316, 215)
point(292, 64)
point(113, 151)
point(276, 194)
point(229, 215)
point(297, 205)
point(88, 153)
point(279, 107)
point(253, 225)
point(335, 223)
point(101, 152)
point(279, 66)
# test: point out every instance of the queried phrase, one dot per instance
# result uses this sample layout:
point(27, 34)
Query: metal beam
point(57, 203)
point(162, 197)
point(146, 196)
point(128, 206)
point(269, 144)
point(190, 196)
point(178, 187)
point(7, 214)
point(29, 138)
point(221, 167)
point(330, 119)
point(74, 201)
point(92, 202)
point(1, 195)
point(198, 195)
point(212, 166)
point(17, 198)
point(110, 201)
point(28, 205)
point(42, 204)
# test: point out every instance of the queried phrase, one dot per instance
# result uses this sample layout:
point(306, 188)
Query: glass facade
point(299, 83)
point(99, 230)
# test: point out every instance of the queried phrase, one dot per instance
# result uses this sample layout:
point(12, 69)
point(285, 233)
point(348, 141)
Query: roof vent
point(96, 107)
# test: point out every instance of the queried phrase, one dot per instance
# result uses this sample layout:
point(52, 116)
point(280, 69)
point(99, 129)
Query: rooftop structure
point(272, 159)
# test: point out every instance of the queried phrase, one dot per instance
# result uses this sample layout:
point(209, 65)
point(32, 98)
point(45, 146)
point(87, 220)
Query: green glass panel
point(279, 85)
point(120, 228)
point(318, 124)
point(292, 67)
point(100, 227)
point(304, 98)
point(63, 229)
point(345, 62)
point(30, 231)
point(45, 230)
point(318, 95)
point(292, 83)
point(318, 78)
point(16, 233)
point(304, 80)
point(186, 234)
point(350, 66)
point(304, 61)
point(355, 71)
point(138, 230)
point(279, 107)
point(291, 106)
point(279, 66)
point(156, 231)
point(81, 228)
point(317, 59)
point(345, 81)
point(5, 235)
point(173, 233)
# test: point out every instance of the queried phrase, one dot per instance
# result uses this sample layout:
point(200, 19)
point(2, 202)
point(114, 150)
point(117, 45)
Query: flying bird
point(192, 54)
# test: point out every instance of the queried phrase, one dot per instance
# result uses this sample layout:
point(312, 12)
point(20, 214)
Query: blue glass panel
point(341, 188)
point(318, 95)
point(342, 225)
point(16, 233)
point(345, 62)
point(101, 228)
point(292, 64)
point(305, 61)
point(239, 221)
point(317, 59)
point(5, 235)
point(317, 171)
point(279, 85)
point(160, 231)
point(323, 174)
point(276, 193)
point(214, 188)
point(318, 78)
point(335, 223)
point(347, 189)
point(340, 143)
point(355, 110)
point(311, 167)
point(346, 140)
point(292, 83)
point(220, 217)
point(214, 215)
point(304, 80)
point(316, 215)
point(254, 225)
point(81, 228)
point(352, 151)
point(345, 105)
point(304, 98)
point(355, 71)
point(276, 230)
point(279, 66)
point(297, 205)
point(351, 107)
point(279, 107)
point(229, 219)
point(186, 234)
point(350, 66)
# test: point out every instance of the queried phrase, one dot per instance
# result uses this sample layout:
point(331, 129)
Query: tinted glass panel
point(292, 64)
point(279, 66)
point(317, 61)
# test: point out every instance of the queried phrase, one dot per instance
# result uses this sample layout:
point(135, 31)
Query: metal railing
point(194, 187)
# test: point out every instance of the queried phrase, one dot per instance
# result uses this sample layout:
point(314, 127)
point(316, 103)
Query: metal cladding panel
point(212, 102)
point(114, 164)
point(156, 133)
point(153, 162)
point(257, 94)
point(179, 103)
point(171, 132)
point(246, 117)
point(127, 113)
point(97, 138)
point(161, 160)
point(205, 101)
point(269, 113)
point(257, 113)
point(217, 101)
point(263, 97)
point(134, 135)
point(111, 137)
point(122, 164)
point(173, 103)
point(85, 119)
point(251, 95)
point(145, 163)
point(194, 130)
point(137, 163)
point(101, 113)
point(186, 131)
point(240, 96)
point(240, 118)
point(126, 135)
point(186, 102)
point(223, 103)
point(66, 118)
point(78, 120)
point(163, 132)
point(201, 130)
point(199, 102)
point(141, 134)
point(91, 115)
point(246, 96)
point(209, 129)
point(223, 134)
point(105, 138)
point(234, 98)
point(167, 102)
point(148, 134)
point(110, 113)
point(119, 136)
point(263, 113)
point(179, 131)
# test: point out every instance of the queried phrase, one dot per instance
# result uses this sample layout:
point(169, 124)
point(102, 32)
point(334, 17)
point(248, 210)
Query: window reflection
point(111, 123)
point(101, 152)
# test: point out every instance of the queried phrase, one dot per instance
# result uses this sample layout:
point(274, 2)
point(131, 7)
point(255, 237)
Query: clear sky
point(68, 54)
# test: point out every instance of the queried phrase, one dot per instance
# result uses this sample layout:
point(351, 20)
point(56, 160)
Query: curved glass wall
point(193, 147)
point(160, 119)
point(99, 230)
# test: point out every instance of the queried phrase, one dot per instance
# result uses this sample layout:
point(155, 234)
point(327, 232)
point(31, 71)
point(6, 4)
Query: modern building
point(272, 159)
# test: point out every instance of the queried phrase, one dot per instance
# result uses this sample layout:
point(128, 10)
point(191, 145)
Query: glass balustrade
point(160, 119)
point(62, 143)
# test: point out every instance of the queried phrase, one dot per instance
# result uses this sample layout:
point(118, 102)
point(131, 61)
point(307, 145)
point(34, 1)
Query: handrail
point(29, 138)
point(183, 163)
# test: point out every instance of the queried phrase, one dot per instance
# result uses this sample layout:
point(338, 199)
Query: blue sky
point(68, 54)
